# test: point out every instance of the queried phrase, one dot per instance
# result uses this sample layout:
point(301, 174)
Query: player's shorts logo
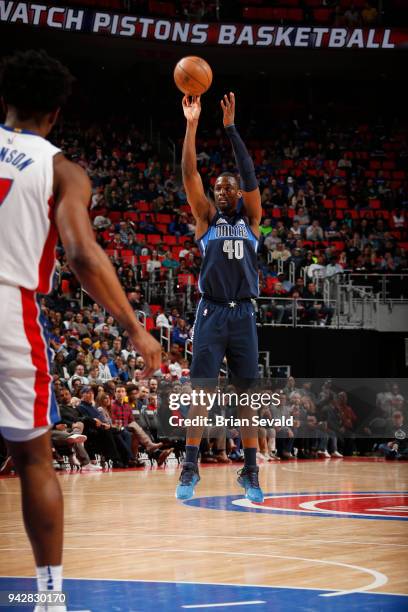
point(374, 505)
point(400, 434)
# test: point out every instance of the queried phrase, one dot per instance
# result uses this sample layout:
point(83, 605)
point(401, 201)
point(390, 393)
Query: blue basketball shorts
point(224, 330)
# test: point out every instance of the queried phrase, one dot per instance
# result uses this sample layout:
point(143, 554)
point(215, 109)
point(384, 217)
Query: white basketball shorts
point(27, 399)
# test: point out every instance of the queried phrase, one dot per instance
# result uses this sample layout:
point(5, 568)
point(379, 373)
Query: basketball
point(192, 75)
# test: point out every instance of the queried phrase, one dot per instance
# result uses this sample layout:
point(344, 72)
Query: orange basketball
point(192, 75)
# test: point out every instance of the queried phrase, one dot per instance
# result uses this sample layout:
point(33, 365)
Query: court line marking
point(312, 505)
point(314, 472)
point(240, 584)
point(225, 605)
point(143, 532)
point(380, 579)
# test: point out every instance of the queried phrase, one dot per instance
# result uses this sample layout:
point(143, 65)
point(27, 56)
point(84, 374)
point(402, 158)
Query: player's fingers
point(226, 100)
point(223, 105)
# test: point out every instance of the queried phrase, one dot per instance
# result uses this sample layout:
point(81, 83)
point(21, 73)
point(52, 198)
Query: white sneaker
point(324, 454)
point(261, 458)
point(76, 439)
point(336, 454)
point(91, 467)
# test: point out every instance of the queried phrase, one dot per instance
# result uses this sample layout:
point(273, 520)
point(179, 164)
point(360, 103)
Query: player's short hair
point(34, 83)
point(230, 175)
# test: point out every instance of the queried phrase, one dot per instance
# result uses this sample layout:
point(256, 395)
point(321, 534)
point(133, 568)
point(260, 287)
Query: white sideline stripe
point(190, 536)
point(379, 578)
point(233, 584)
point(224, 605)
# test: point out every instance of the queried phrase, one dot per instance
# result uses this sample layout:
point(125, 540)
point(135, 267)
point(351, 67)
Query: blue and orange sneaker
point(248, 480)
point(188, 479)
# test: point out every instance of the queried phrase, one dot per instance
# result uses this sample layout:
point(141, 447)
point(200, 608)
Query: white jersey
point(28, 234)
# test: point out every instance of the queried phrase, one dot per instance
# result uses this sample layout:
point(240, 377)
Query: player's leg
point(242, 356)
point(209, 345)
point(42, 502)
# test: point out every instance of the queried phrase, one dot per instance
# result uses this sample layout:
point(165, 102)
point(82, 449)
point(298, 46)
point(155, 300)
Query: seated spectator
point(153, 264)
point(314, 231)
point(118, 369)
point(99, 437)
point(179, 227)
point(122, 417)
point(272, 240)
point(369, 14)
point(397, 447)
point(280, 253)
point(147, 226)
point(180, 333)
point(315, 308)
point(352, 17)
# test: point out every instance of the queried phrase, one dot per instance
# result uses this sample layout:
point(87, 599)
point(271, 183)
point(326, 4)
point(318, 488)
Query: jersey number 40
point(5, 186)
point(234, 248)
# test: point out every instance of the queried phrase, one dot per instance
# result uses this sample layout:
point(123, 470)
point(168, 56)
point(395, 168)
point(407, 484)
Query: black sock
point(191, 454)
point(250, 457)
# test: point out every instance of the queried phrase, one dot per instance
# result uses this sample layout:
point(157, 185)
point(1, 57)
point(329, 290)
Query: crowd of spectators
point(333, 199)
point(118, 420)
point(337, 13)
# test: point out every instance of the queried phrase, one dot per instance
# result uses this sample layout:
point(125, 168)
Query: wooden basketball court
point(331, 535)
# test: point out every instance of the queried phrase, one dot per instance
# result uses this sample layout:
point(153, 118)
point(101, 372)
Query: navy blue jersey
point(229, 270)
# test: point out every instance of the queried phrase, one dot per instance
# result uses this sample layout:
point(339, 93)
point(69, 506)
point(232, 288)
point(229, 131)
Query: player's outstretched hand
point(228, 109)
point(192, 107)
point(150, 350)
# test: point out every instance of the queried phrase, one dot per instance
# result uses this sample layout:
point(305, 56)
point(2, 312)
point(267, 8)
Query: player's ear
point(239, 193)
point(53, 116)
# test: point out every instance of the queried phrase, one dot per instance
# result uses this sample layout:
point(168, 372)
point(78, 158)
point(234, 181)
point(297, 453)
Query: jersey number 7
point(5, 186)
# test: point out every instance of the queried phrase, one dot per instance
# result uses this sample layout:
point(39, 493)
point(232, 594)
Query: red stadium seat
point(154, 238)
point(155, 308)
point(375, 203)
point(338, 245)
point(162, 227)
point(163, 218)
point(185, 279)
point(328, 204)
point(340, 203)
point(294, 14)
point(149, 323)
point(168, 239)
point(132, 216)
point(143, 206)
point(322, 15)
point(114, 216)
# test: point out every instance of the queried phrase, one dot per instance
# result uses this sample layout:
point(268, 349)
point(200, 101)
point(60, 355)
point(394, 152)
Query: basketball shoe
point(188, 479)
point(248, 480)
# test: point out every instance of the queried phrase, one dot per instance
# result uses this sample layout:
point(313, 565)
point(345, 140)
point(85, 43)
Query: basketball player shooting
point(225, 325)
point(43, 194)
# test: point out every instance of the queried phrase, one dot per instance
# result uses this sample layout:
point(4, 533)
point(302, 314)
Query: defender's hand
point(150, 350)
point(192, 108)
point(228, 109)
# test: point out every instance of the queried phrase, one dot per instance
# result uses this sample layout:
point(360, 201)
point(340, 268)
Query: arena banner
point(217, 34)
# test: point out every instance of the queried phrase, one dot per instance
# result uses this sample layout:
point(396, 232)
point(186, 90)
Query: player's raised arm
point(246, 169)
point(201, 207)
point(89, 262)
